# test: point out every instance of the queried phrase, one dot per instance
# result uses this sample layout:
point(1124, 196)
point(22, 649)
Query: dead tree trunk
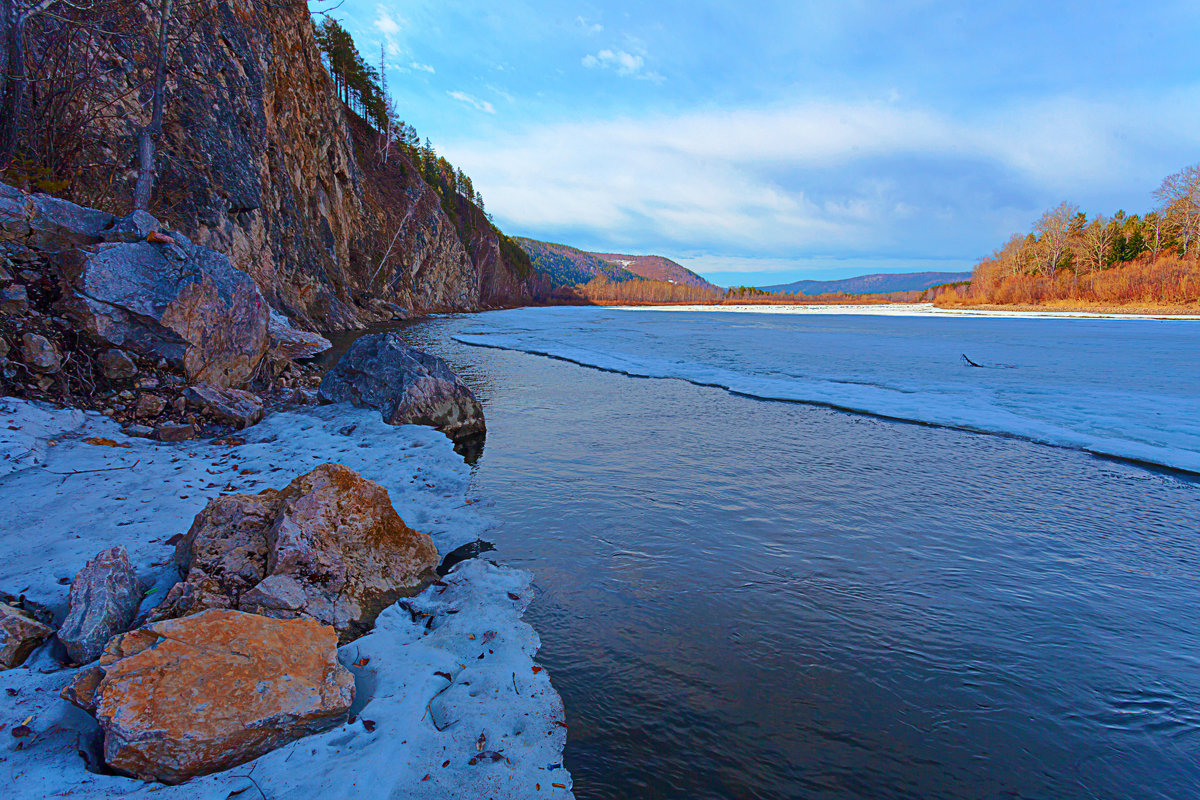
point(148, 135)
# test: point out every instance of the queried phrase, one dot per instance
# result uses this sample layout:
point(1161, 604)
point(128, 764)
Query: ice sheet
point(1127, 388)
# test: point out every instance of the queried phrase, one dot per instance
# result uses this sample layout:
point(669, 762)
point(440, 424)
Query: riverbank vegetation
point(1123, 262)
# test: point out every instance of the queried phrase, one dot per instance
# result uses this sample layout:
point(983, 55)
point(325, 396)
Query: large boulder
point(198, 695)
point(329, 546)
point(20, 634)
point(407, 385)
point(104, 600)
point(176, 301)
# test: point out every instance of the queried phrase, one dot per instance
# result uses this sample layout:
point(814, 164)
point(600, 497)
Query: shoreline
point(142, 492)
point(1173, 311)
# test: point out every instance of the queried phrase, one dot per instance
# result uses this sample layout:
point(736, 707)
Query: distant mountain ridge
point(567, 266)
point(872, 284)
point(657, 268)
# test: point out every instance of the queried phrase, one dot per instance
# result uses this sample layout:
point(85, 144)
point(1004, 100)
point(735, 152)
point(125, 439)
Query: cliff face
point(260, 160)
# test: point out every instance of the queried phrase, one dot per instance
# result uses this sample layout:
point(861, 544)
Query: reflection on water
point(747, 599)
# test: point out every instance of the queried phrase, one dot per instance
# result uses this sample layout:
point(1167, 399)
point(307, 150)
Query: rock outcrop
point(20, 633)
point(201, 694)
point(408, 386)
point(260, 159)
point(329, 547)
point(164, 299)
point(104, 600)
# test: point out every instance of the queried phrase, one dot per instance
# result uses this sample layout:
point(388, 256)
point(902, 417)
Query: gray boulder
point(48, 224)
point(14, 299)
point(133, 227)
point(105, 596)
point(117, 365)
point(234, 406)
point(39, 354)
point(288, 342)
point(179, 302)
point(408, 386)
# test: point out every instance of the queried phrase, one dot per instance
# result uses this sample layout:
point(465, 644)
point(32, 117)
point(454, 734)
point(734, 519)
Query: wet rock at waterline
point(408, 386)
point(20, 634)
point(104, 600)
point(201, 694)
point(329, 546)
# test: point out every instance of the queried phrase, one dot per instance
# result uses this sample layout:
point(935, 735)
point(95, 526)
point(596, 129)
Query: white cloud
point(480, 105)
point(390, 27)
point(589, 26)
point(829, 177)
point(422, 67)
point(624, 63)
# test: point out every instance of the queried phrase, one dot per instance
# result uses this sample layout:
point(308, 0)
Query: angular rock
point(174, 432)
point(117, 365)
point(20, 633)
point(39, 354)
point(142, 431)
point(291, 343)
point(234, 406)
point(14, 299)
point(104, 599)
point(47, 223)
point(150, 406)
point(201, 694)
point(180, 302)
point(329, 546)
point(407, 385)
point(135, 227)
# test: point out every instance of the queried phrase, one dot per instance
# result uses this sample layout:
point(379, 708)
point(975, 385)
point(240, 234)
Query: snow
point(1126, 388)
point(58, 515)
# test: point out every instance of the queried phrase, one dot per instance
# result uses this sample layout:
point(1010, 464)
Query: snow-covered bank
point(65, 498)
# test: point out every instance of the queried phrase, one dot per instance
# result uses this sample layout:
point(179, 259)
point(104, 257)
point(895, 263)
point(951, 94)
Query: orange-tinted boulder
point(201, 694)
point(20, 634)
point(329, 546)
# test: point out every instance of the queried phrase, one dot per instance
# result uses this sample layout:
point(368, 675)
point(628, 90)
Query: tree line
point(1148, 258)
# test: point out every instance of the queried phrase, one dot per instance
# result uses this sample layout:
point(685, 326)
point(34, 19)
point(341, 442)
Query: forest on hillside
point(1069, 260)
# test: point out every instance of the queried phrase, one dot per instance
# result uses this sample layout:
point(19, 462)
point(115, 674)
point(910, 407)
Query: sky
point(760, 142)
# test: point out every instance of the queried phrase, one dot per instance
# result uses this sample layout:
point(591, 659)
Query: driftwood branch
point(84, 471)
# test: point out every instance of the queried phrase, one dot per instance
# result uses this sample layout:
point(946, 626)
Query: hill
point(872, 284)
point(567, 266)
point(657, 268)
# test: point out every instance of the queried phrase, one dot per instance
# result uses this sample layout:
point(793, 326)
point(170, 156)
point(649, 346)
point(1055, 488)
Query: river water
point(751, 598)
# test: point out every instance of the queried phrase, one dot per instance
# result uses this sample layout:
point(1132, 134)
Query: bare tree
point(1097, 242)
point(1179, 196)
point(1054, 235)
point(14, 17)
point(148, 135)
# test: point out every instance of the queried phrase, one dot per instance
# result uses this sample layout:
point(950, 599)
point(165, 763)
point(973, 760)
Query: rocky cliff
point(259, 159)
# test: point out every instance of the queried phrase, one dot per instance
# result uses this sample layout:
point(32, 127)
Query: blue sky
point(764, 142)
